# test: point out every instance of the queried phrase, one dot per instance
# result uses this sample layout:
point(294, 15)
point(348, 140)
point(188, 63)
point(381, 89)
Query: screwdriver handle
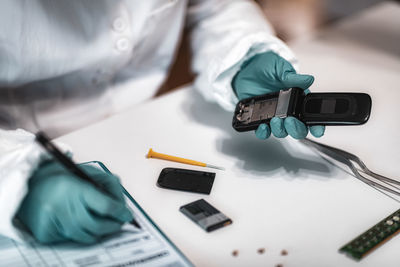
point(153, 154)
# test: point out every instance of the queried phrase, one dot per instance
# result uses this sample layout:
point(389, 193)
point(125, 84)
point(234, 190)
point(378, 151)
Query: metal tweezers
point(379, 182)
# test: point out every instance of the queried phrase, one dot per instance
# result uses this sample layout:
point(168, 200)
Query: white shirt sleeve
point(223, 35)
point(20, 155)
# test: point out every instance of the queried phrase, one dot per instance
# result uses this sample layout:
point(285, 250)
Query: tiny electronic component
point(373, 237)
point(205, 215)
point(312, 109)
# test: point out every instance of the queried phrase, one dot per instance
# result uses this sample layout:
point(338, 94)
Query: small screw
point(284, 252)
point(261, 250)
point(235, 253)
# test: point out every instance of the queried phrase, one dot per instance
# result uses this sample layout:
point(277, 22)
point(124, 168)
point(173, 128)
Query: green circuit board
point(373, 237)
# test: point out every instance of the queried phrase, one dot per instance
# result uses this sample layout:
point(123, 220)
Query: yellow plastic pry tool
point(156, 155)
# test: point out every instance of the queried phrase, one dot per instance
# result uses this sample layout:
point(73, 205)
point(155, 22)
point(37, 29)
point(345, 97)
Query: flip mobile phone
point(312, 109)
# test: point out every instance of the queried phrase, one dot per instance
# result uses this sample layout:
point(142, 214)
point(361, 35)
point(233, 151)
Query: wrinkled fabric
point(19, 157)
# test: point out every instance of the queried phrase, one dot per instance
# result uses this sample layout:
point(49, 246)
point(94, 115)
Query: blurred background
point(291, 19)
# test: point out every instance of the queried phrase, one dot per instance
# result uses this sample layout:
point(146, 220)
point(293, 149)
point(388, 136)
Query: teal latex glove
point(60, 207)
point(267, 73)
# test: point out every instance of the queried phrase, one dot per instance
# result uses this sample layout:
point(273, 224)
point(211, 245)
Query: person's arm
point(40, 197)
point(60, 206)
point(236, 55)
point(224, 34)
point(19, 157)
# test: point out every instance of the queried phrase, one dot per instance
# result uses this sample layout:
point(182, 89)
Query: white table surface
point(279, 194)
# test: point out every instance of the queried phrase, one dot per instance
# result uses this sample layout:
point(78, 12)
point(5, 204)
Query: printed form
point(130, 247)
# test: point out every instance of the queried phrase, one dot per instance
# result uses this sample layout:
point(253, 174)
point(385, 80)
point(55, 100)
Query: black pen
point(45, 142)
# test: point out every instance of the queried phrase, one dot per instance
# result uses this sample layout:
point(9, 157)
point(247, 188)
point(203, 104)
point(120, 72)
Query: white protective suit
point(64, 64)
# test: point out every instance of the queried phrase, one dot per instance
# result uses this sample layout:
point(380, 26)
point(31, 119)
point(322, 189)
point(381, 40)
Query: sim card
point(205, 215)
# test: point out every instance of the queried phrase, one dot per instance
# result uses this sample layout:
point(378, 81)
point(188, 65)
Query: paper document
point(130, 247)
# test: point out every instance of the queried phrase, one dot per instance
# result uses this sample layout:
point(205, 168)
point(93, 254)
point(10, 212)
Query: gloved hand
point(267, 73)
point(59, 206)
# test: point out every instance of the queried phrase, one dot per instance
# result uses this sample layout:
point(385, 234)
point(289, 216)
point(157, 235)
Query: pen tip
point(135, 223)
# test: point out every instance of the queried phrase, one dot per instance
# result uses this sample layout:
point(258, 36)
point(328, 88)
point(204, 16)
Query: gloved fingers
point(95, 225)
point(42, 223)
point(72, 223)
point(295, 128)
point(292, 79)
point(48, 236)
point(263, 131)
point(58, 230)
point(46, 229)
point(75, 233)
point(109, 181)
point(103, 226)
point(103, 205)
point(317, 131)
point(278, 127)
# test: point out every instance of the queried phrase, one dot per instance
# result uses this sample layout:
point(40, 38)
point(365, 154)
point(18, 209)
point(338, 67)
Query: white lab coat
point(64, 64)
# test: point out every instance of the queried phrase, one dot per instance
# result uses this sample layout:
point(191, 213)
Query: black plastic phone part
point(186, 180)
point(312, 109)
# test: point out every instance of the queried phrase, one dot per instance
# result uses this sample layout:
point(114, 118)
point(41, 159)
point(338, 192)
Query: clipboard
point(131, 246)
point(183, 260)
